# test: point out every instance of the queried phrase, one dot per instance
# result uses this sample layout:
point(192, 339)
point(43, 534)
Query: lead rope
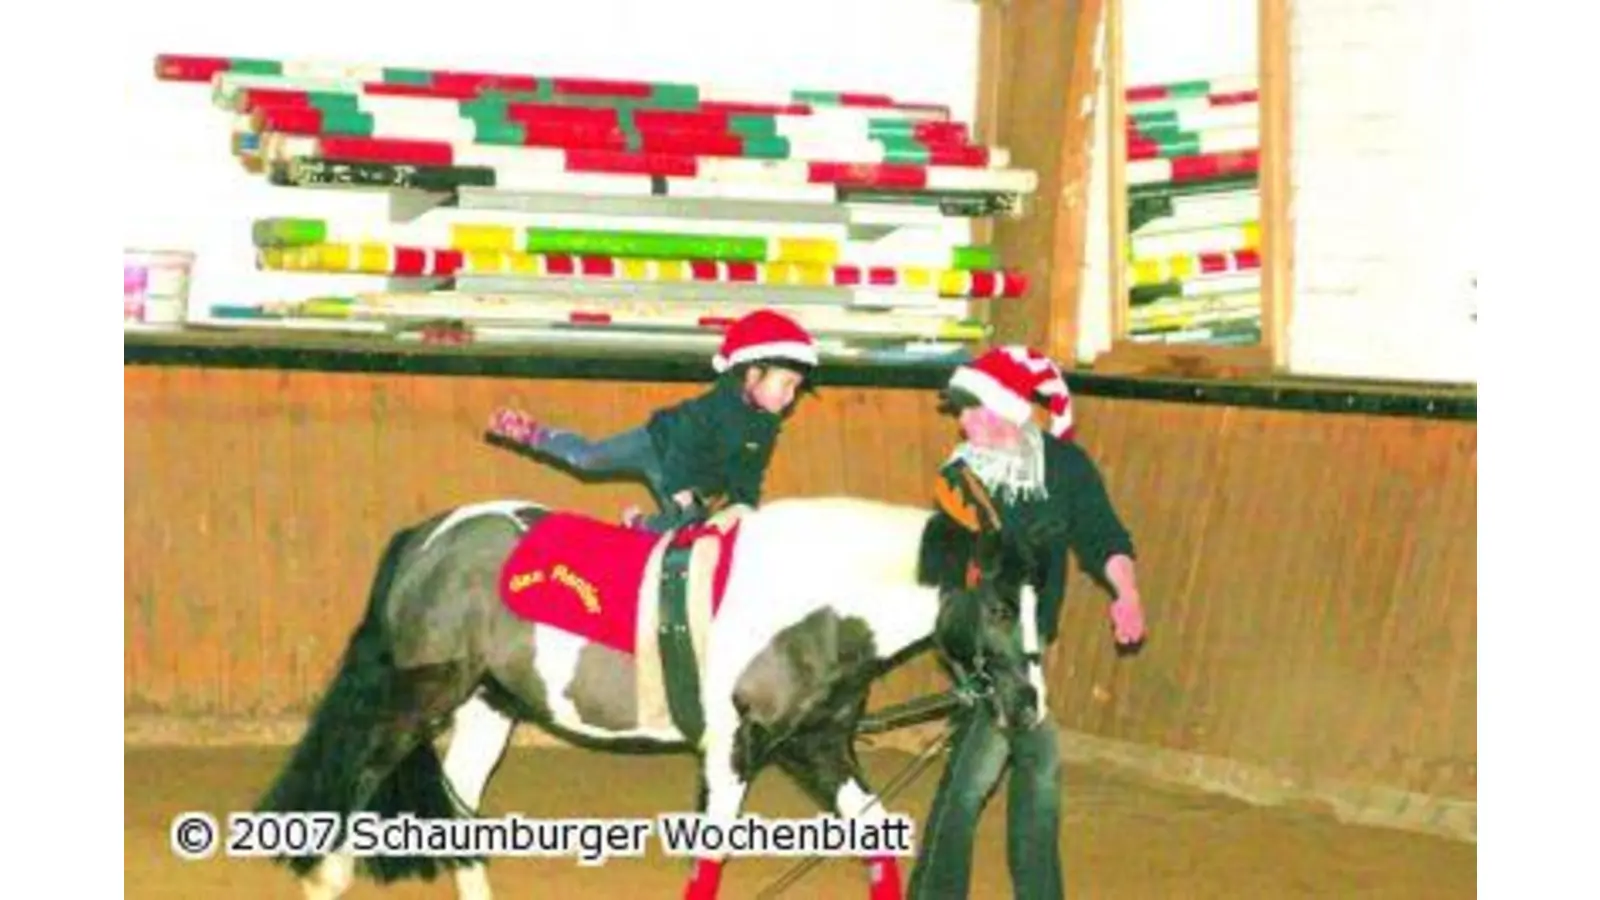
point(901, 781)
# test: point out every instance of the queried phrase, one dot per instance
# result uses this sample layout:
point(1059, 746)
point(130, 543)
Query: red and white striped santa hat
point(765, 335)
point(1006, 380)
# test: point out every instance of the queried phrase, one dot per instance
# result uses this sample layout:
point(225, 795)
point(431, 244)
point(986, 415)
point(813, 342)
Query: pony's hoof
point(472, 882)
point(330, 879)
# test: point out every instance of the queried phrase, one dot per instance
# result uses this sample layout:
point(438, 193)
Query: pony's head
point(981, 616)
point(979, 635)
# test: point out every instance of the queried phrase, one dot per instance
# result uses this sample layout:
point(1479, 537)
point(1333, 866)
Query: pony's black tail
point(355, 725)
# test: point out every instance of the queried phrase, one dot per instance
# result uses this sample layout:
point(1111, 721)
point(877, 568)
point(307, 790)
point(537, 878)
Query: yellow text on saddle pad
point(585, 590)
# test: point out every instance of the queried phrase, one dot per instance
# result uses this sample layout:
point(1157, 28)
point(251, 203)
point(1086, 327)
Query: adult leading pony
point(823, 596)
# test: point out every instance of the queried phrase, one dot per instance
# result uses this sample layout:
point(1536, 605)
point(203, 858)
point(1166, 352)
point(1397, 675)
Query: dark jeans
point(979, 755)
point(628, 452)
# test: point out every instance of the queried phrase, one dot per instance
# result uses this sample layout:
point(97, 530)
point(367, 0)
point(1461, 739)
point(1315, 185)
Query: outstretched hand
point(511, 424)
point(1127, 620)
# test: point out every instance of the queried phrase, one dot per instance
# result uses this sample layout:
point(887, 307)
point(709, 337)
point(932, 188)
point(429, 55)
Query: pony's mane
point(946, 549)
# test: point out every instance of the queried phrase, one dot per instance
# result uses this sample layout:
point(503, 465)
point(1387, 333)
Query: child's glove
point(509, 423)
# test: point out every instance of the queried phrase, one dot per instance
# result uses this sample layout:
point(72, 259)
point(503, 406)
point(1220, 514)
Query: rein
point(900, 782)
point(900, 715)
point(913, 712)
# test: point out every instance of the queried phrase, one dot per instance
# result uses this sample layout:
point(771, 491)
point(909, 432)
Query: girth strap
point(679, 665)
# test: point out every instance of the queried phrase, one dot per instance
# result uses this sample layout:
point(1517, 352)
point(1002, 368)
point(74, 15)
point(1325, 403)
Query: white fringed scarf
point(1010, 475)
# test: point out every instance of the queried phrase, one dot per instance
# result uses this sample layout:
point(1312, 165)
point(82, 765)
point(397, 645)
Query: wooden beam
point(1184, 360)
point(1116, 169)
point(1068, 244)
point(1036, 68)
point(1277, 234)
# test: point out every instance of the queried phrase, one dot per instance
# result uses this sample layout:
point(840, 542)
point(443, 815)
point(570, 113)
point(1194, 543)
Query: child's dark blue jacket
point(715, 445)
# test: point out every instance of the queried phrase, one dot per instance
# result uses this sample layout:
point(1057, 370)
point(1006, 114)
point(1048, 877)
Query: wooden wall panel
point(1312, 586)
point(1311, 580)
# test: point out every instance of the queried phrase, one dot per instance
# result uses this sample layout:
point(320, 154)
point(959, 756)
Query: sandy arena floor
point(1121, 839)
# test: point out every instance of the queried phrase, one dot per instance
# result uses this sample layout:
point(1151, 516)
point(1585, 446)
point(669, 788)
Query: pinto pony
point(815, 599)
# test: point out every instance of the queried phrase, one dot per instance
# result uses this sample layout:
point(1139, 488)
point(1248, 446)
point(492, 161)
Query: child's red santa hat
point(765, 335)
point(1006, 380)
